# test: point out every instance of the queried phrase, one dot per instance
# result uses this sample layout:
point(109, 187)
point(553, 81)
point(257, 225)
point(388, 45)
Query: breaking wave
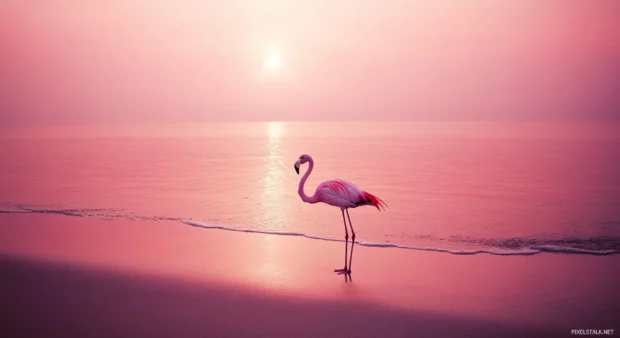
point(520, 246)
point(525, 251)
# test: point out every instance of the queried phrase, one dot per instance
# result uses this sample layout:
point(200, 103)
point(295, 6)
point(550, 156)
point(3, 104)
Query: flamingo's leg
point(346, 250)
point(350, 224)
point(346, 232)
point(347, 271)
point(351, 260)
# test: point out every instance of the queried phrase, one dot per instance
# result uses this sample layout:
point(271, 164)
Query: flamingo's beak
point(297, 164)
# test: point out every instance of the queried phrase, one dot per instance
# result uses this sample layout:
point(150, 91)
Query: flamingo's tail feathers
point(376, 201)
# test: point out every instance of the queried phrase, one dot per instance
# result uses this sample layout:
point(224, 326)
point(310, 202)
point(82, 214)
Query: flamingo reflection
point(347, 269)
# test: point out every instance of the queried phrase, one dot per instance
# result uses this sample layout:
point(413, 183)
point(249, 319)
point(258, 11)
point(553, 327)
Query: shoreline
point(553, 246)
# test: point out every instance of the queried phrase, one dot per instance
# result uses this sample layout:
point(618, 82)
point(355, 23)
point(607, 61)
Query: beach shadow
point(53, 299)
point(347, 267)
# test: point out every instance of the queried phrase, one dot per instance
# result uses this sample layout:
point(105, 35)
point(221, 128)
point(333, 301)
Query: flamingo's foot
point(342, 271)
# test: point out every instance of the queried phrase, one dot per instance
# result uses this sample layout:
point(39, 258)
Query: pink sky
point(113, 61)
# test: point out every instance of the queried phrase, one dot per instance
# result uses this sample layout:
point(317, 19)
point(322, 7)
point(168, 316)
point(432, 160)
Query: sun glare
point(274, 129)
point(273, 62)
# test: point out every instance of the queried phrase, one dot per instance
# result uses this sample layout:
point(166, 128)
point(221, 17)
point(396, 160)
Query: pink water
point(505, 186)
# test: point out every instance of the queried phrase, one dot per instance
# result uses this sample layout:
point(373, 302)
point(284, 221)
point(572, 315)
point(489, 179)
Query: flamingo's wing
point(345, 194)
point(348, 195)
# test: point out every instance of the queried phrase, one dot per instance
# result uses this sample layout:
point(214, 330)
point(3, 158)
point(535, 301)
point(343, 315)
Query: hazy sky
point(117, 61)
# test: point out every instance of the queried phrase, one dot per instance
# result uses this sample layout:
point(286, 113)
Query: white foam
point(498, 252)
point(256, 231)
point(491, 251)
point(568, 249)
point(106, 214)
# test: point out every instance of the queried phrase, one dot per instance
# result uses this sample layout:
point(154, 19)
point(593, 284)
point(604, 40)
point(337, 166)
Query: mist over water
point(458, 187)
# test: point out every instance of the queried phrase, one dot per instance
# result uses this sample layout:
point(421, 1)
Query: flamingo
point(338, 193)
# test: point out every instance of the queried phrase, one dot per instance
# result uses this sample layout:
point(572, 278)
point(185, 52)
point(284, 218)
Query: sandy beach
point(73, 276)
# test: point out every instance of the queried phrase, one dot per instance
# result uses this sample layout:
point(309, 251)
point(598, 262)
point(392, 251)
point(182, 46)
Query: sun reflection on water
point(273, 194)
point(273, 211)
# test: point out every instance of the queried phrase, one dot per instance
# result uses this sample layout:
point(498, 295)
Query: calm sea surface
point(504, 187)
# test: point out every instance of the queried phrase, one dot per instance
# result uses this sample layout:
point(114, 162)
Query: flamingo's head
point(301, 160)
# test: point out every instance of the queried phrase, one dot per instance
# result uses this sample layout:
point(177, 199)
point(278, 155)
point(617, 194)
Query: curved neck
point(302, 182)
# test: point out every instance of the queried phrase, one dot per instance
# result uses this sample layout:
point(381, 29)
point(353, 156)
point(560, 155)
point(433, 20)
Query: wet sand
point(73, 276)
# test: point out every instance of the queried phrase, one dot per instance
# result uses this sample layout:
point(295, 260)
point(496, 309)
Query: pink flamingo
point(339, 193)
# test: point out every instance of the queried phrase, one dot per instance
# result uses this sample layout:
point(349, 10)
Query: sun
point(273, 62)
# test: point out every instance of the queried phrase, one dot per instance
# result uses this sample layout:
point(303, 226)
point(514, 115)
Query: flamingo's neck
point(302, 194)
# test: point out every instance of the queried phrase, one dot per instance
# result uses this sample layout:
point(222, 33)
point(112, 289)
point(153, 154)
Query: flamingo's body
point(338, 193)
point(344, 194)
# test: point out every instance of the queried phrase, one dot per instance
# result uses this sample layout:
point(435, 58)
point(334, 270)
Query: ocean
point(502, 187)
